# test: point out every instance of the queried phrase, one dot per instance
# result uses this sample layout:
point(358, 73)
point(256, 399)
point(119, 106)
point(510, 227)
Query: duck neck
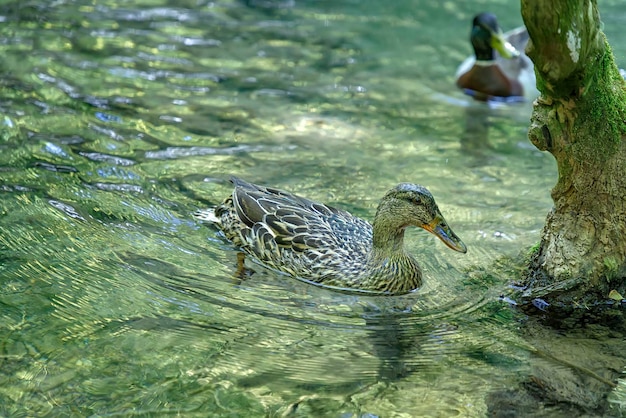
point(388, 247)
point(387, 236)
point(484, 63)
point(482, 47)
point(390, 268)
point(485, 54)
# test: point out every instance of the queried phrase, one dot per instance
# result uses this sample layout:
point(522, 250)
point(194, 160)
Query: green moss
point(602, 114)
point(533, 251)
point(541, 84)
point(611, 268)
point(535, 248)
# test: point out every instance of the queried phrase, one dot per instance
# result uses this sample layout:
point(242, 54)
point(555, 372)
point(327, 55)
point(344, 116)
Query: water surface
point(121, 118)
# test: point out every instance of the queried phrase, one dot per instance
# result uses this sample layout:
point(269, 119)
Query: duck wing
point(276, 221)
point(253, 203)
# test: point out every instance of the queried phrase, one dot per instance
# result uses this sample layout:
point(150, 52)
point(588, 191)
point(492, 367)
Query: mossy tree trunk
point(580, 119)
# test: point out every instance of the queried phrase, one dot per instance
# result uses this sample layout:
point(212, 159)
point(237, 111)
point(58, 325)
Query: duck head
point(413, 205)
point(486, 36)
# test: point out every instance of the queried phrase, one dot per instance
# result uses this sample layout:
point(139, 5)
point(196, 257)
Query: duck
point(506, 76)
point(329, 247)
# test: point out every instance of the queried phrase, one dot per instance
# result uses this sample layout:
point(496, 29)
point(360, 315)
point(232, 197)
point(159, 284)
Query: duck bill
point(504, 48)
point(439, 227)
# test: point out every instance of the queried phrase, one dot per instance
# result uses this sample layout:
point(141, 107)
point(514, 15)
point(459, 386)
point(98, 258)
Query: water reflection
point(480, 119)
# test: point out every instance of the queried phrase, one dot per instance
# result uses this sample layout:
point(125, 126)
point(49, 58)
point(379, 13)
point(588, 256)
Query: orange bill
point(439, 227)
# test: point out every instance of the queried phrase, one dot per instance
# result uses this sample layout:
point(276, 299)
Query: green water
point(119, 119)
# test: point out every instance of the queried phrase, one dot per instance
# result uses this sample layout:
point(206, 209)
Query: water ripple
point(97, 156)
point(119, 121)
point(181, 152)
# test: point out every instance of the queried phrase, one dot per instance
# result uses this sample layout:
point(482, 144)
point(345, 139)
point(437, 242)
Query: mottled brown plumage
point(327, 246)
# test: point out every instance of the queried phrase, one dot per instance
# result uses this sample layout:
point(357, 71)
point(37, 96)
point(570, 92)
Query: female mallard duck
point(487, 76)
point(329, 247)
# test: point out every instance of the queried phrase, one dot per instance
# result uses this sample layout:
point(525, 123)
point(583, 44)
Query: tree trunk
point(580, 118)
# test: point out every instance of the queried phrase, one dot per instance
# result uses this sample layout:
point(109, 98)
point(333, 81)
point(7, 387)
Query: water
point(119, 120)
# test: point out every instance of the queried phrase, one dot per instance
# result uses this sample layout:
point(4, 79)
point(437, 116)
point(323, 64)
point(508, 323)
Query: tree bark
point(580, 118)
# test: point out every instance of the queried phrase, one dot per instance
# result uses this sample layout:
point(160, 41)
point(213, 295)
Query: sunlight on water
point(119, 120)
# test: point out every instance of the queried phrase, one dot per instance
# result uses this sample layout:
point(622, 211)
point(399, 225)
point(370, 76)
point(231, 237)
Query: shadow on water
point(572, 371)
point(385, 343)
point(377, 343)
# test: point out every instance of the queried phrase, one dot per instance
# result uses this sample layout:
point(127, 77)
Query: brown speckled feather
point(324, 245)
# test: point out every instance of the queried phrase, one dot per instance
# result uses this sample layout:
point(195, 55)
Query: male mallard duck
point(329, 247)
point(510, 74)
